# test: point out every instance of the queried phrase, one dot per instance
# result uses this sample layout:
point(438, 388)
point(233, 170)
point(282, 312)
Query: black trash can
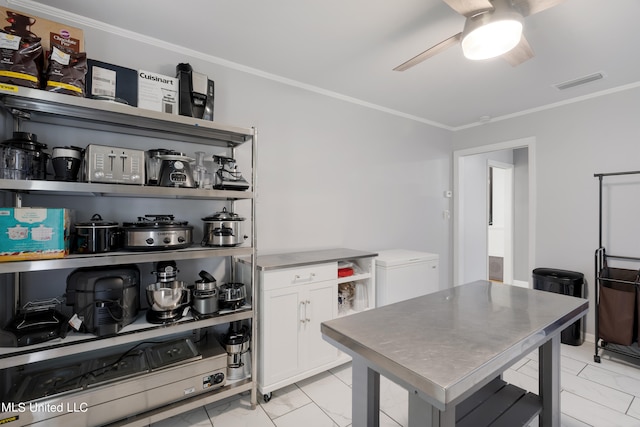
point(566, 283)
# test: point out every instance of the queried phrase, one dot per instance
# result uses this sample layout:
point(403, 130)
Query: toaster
point(114, 165)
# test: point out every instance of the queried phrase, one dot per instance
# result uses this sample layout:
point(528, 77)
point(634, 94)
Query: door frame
point(458, 200)
point(507, 270)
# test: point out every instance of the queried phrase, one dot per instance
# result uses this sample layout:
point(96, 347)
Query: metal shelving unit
point(63, 110)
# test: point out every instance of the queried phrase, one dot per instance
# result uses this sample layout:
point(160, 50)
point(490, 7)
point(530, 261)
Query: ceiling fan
point(492, 28)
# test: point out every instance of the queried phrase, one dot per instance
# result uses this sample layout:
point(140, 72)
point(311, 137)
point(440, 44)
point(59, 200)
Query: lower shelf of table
point(498, 404)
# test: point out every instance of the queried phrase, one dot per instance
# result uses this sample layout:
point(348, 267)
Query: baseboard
point(520, 283)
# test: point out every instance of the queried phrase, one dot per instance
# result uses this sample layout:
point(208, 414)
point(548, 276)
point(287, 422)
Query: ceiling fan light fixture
point(492, 33)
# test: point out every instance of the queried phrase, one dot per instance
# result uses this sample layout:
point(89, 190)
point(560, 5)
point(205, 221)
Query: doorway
point(500, 221)
point(471, 211)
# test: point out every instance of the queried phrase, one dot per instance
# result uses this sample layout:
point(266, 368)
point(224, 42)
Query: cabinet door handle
point(306, 315)
point(298, 278)
point(303, 315)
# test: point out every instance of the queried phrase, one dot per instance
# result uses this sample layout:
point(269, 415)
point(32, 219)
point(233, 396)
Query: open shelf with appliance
point(617, 290)
point(154, 393)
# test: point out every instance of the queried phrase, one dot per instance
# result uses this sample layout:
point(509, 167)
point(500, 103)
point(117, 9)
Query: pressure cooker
point(23, 157)
point(223, 229)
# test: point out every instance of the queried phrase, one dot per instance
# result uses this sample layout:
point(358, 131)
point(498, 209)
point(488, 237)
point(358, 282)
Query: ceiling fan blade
point(469, 7)
point(519, 54)
point(529, 7)
point(433, 50)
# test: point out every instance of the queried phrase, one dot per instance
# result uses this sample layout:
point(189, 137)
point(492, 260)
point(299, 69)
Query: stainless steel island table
point(448, 349)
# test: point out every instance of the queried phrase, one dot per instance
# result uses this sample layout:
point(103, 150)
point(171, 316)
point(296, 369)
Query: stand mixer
point(168, 296)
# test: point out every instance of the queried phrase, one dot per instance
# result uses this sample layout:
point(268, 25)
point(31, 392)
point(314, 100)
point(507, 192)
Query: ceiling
point(350, 47)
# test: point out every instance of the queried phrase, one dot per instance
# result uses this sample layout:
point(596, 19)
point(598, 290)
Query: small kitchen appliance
point(157, 232)
point(114, 165)
point(153, 164)
point(205, 295)
point(175, 170)
point(167, 297)
point(23, 157)
point(223, 229)
point(36, 322)
point(66, 162)
point(236, 343)
point(227, 177)
point(232, 296)
point(106, 299)
point(97, 236)
point(196, 93)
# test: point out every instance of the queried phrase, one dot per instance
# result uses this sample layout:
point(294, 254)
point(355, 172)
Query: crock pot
point(42, 233)
point(18, 232)
point(223, 229)
point(97, 236)
point(161, 232)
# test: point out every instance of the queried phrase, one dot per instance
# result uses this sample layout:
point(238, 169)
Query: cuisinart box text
point(157, 92)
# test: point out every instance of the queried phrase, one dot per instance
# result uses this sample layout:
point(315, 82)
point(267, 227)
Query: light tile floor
point(603, 394)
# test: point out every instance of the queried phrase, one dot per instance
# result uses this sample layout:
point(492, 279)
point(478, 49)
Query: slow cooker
point(223, 229)
point(157, 232)
point(97, 236)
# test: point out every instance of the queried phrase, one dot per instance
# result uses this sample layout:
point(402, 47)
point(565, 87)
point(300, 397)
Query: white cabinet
point(290, 330)
point(297, 292)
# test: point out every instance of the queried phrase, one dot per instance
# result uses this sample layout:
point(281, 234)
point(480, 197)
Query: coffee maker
point(236, 343)
point(196, 93)
point(167, 297)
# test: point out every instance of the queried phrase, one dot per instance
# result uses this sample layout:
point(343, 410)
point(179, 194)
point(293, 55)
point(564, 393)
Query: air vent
point(579, 81)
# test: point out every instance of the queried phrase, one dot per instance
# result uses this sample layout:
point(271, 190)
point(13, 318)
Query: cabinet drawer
point(295, 276)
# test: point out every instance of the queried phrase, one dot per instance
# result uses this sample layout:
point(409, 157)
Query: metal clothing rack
point(601, 257)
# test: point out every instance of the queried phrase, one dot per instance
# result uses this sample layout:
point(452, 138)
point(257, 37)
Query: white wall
point(331, 173)
point(572, 143)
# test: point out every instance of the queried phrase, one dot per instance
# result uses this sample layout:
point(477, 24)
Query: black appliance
point(33, 327)
point(66, 162)
point(227, 176)
point(106, 298)
point(196, 93)
point(23, 157)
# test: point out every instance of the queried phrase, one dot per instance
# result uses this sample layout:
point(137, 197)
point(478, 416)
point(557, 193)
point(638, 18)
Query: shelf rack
point(68, 111)
point(601, 257)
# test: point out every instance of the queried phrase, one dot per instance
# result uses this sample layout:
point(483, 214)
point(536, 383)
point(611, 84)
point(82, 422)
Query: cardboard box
point(34, 233)
point(157, 92)
point(112, 81)
point(25, 25)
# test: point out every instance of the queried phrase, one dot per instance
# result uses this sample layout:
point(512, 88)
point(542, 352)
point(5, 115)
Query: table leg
point(365, 393)
point(549, 382)
point(423, 414)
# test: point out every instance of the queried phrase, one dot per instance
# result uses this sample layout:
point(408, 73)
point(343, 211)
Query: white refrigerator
point(402, 274)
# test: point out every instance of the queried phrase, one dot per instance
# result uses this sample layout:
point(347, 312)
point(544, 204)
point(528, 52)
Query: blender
point(236, 343)
point(153, 164)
